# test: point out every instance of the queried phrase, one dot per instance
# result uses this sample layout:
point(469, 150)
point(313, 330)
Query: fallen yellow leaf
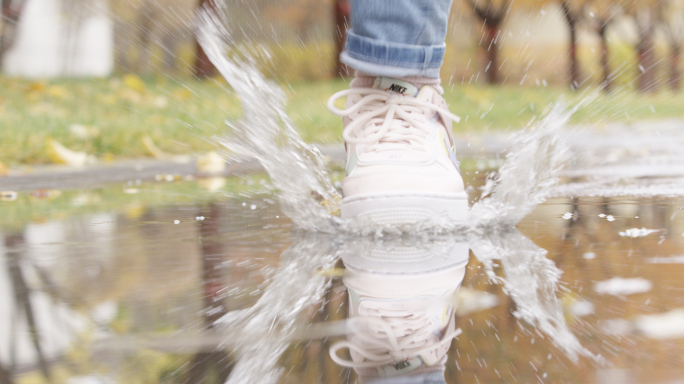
point(159, 154)
point(212, 162)
point(62, 155)
point(333, 206)
point(212, 184)
point(36, 86)
point(334, 272)
point(84, 131)
point(182, 94)
point(134, 210)
point(134, 82)
point(130, 95)
point(4, 170)
point(57, 91)
point(8, 195)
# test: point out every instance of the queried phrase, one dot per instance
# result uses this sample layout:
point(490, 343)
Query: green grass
point(182, 116)
point(45, 206)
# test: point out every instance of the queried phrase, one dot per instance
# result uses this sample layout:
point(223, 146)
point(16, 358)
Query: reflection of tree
point(203, 363)
point(581, 234)
point(5, 375)
point(14, 244)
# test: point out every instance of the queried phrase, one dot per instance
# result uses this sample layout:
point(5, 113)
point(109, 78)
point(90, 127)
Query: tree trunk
point(574, 64)
point(492, 17)
point(10, 13)
point(492, 68)
point(342, 14)
point(606, 81)
point(573, 20)
point(145, 25)
point(169, 57)
point(675, 75)
point(646, 81)
point(203, 67)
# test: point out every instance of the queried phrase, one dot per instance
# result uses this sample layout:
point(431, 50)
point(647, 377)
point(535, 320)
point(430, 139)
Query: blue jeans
point(397, 38)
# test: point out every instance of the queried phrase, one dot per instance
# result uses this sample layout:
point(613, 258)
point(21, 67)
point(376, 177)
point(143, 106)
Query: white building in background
point(62, 38)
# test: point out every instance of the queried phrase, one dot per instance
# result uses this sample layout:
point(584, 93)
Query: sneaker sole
point(405, 208)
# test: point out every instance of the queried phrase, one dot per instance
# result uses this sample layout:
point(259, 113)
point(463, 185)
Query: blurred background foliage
point(505, 62)
point(496, 41)
point(533, 39)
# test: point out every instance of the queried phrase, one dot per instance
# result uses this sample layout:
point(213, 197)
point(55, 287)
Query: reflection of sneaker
point(401, 164)
point(401, 318)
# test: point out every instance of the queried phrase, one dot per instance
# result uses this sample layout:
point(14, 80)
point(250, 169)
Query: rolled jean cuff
point(381, 58)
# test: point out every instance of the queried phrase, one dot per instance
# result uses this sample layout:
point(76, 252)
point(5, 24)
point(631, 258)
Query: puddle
point(177, 284)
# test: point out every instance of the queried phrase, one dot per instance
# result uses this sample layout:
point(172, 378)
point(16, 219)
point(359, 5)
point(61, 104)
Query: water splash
point(523, 182)
point(294, 288)
point(528, 173)
point(531, 280)
point(266, 133)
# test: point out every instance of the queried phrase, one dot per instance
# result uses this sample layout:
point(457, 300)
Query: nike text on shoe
point(401, 164)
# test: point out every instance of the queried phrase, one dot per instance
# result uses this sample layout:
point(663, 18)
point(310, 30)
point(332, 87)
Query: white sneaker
point(401, 164)
point(401, 321)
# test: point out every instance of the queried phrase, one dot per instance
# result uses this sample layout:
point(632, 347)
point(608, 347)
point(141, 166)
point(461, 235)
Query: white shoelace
point(384, 337)
point(396, 121)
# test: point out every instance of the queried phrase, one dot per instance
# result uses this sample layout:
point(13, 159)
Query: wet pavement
point(171, 282)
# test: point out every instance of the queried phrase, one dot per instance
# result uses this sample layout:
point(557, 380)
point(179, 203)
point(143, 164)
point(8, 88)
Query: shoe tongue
point(393, 85)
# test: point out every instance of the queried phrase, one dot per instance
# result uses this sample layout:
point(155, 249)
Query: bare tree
point(645, 21)
point(492, 16)
point(574, 17)
point(203, 67)
point(601, 14)
point(10, 14)
point(671, 19)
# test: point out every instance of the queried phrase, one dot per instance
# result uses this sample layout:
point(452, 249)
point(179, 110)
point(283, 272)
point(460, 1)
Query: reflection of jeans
point(397, 37)
point(426, 378)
